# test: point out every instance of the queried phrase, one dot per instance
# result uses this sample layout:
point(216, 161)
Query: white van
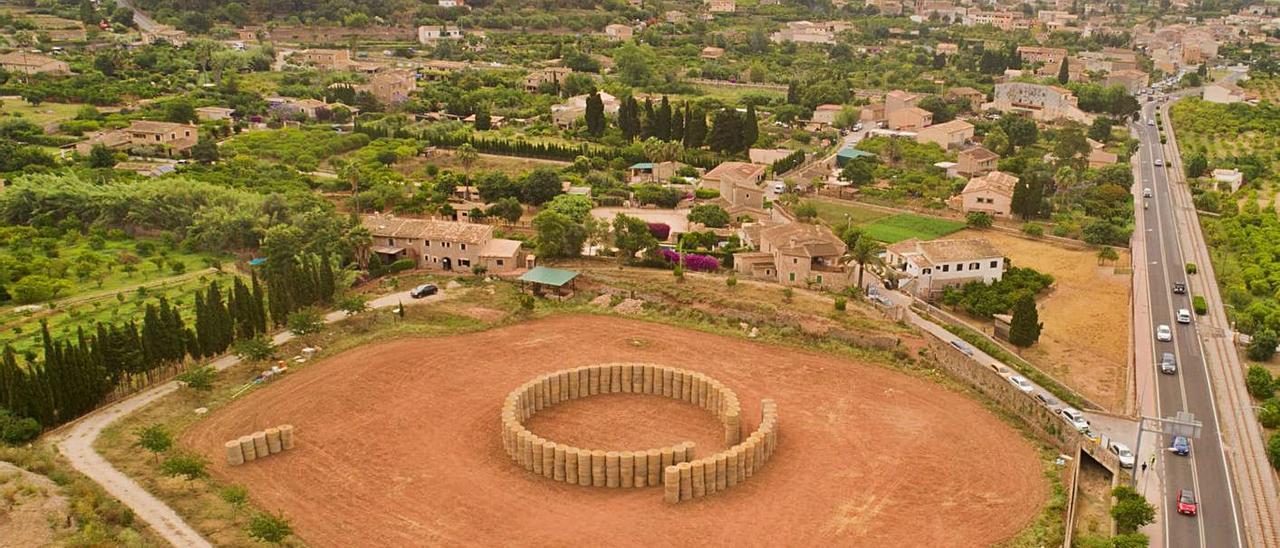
point(779, 188)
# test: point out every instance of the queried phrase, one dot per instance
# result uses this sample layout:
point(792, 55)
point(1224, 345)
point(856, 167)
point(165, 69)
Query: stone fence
point(644, 468)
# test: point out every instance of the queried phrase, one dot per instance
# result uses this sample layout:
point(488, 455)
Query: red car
point(1186, 502)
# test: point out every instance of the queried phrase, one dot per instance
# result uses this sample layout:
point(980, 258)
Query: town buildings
point(1043, 103)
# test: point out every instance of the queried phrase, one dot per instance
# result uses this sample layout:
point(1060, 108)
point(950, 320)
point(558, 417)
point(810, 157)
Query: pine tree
point(1024, 329)
point(662, 120)
point(750, 128)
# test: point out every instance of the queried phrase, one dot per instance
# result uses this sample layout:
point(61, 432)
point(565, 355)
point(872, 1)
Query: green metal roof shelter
point(849, 153)
point(549, 277)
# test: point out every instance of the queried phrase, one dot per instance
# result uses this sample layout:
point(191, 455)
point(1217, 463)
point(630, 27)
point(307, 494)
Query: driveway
point(75, 441)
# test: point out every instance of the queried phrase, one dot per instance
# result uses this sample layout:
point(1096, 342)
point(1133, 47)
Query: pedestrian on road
point(1144, 468)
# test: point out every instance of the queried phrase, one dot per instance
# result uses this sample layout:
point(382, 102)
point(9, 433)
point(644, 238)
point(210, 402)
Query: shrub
point(692, 261)
point(353, 304)
point(191, 467)
point(256, 349)
point(1259, 382)
point(269, 528)
point(660, 231)
point(1263, 346)
point(1191, 268)
point(841, 304)
point(15, 430)
point(1131, 510)
point(200, 378)
point(1199, 305)
point(710, 215)
point(235, 495)
point(305, 321)
point(1033, 230)
point(978, 219)
point(731, 281)
point(706, 193)
point(1269, 413)
point(1273, 450)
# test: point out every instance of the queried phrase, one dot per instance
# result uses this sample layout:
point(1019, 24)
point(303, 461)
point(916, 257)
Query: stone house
point(441, 245)
point(23, 62)
point(169, 139)
point(953, 134)
point(796, 254)
point(974, 161)
point(991, 194)
point(929, 267)
point(739, 184)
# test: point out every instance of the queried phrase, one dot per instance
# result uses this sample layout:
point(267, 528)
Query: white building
point(929, 267)
point(1230, 177)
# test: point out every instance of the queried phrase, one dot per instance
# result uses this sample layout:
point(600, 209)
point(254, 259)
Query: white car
point(1146, 193)
point(1122, 452)
point(1021, 383)
point(1184, 315)
point(1159, 162)
point(1075, 418)
point(1163, 333)
point(1151, 122)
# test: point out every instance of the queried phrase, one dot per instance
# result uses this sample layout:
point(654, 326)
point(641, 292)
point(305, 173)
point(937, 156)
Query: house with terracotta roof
point(739, 184)
point(926, 268)
point(792, 253)
point(991, 194)
point(619, 32)
point(976, 160)
point(164, 138)
point(909, 119)
point(391, 87)
point(953, 134)
point(441, 245)
point(973, 96)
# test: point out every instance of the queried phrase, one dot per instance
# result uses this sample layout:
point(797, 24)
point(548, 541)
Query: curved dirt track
point(397, 445)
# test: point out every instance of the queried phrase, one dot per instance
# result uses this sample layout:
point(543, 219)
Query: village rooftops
point(996, 181)
point(803, 239)
point(945, 251)
point(389, 226)
point(980, 154)
point(736, 171)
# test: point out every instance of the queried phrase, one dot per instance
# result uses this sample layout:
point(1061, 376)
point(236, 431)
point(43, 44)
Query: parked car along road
point(424, 290)
point(1022, 383)
point(1075, 418)
point(1122, 452)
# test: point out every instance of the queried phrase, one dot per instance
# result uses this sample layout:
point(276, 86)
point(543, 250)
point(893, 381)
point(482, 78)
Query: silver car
point(1163, 333)
point(1168, 363)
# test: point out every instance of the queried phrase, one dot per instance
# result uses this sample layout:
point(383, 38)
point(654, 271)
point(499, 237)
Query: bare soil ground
point(33, 511)
point(1085, 342)
point(397, 445)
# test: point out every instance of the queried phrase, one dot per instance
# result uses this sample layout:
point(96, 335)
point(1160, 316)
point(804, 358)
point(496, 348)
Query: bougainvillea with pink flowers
point(692, 261)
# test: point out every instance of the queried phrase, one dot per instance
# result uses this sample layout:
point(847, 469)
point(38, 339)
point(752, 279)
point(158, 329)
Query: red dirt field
point(397, 445)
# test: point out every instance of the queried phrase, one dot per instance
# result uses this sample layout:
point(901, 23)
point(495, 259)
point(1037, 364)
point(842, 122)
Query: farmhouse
point(167, 138)
point(738, 183)
point(929, 267)
point(1232, 178)
point(974, 161)
point(550, 75)
point(391, 87)
point(441, 245)
point(953, 134)
point(973, 96)
point(794, 254)
point(826, 114)
point(991, 194)
point(429, 34)
point(32, 63)
point(214, 113)
point(618, 32)
point(909, 119)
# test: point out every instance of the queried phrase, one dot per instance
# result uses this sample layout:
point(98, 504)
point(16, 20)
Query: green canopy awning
point(549, 276)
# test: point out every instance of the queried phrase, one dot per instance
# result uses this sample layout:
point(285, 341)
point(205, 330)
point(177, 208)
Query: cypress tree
point(595, 114)
point(1024, 329)
point(203, 330)
point(259, 308)
point(328, 284)
point(750, 128)
point(647, 128)
point(629, 117)
point(793, 94)
point(695, 130)
point(677, 125)
point(1064, 73)
point(662, 120)
point(726, 132)
point(11, 381)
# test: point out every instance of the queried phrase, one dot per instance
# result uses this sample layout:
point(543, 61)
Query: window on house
point(795, 261)
point(391, 241)
point(928, 271)
point(426, 243)
point(791, 276)
point(464, 262)
point(819, 279)
point(446, 244)
point(463, 246)
point(946, 267)
point(960, 267)
point(499, 262)
point(995, 264)
point(974, 266)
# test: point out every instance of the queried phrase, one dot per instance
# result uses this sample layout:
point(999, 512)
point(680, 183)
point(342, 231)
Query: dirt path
point(75, 441)
point(397, 445)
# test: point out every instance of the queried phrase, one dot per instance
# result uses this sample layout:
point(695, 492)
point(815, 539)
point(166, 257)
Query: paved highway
point(1205, 471)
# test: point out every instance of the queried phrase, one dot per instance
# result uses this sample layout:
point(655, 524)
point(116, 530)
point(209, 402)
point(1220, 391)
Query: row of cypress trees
point(298, 282)
point(76, 374)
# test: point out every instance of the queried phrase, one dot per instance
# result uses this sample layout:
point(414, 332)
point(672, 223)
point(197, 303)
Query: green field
point(906, 225)
point(833, 213)
point(14, 108)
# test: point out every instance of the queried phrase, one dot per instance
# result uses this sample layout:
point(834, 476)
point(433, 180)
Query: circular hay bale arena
point(403, 447)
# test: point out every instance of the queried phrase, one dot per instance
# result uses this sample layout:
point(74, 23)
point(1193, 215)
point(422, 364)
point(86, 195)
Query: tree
point(997, 141)
point(726, 132)
point(1021, 130)
point(595, 114)
point(1064, 72)
point(1101, 129)
point(256, 349)
point(484, 121)
point(1028, 194)
point(557, 235)
point(865, 251)
point(205, 150)
point(507, 209)
point(695, 127)
point(191, 467)
point(750, 128)
point(979, 219)
point(859, 172)
point(1263, 345)
point(631, 235)
point(101, 157)
point(1259, 382)
point(540, 185)
point(635, 64)
point(1071, 148)
point(155, 439)
point(662, 120)
point(1024, 330)
point(709, 215)
point(574, 206)
point(466, 156)
point(1131, 510)
point(180, 111)
point(1107, 254)
point(629, 117)
point(1197, 165)
point(805, 211)
point(353, 304)
point(270, 529)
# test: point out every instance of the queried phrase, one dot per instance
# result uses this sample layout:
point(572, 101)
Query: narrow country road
point(75, 441)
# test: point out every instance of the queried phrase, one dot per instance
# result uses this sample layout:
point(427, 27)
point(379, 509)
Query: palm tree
point(865, 251)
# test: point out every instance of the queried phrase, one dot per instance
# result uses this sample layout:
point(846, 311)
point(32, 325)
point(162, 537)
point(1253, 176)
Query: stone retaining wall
point(644, 468)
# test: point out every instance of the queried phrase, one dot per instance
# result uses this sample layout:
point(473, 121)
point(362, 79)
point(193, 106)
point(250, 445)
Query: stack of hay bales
point(632, 469)
point(259, 445)
point(724, 470)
